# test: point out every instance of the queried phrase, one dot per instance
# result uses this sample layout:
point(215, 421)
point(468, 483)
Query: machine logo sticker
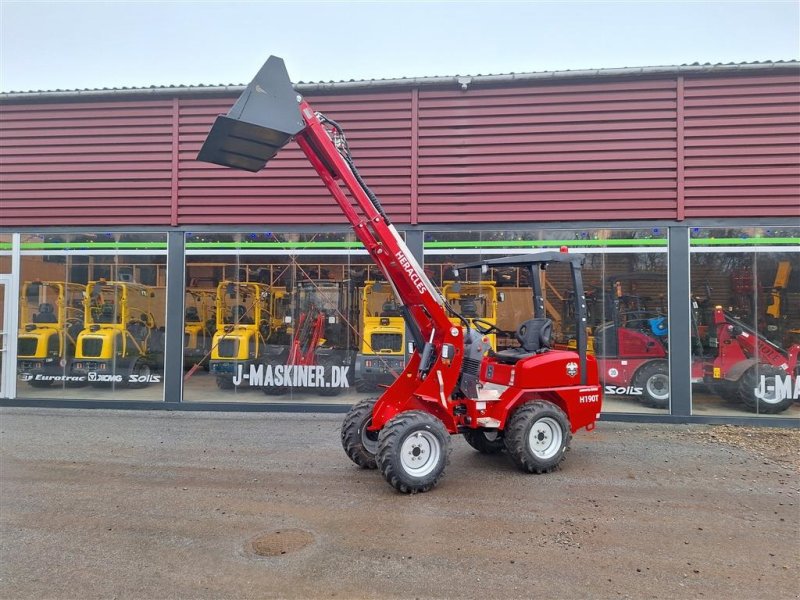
point(623, 390)
point(103, 378)
point(613, 372)
point(572, 369)
point(293, 376)
point(56, 378)
point(776, 389)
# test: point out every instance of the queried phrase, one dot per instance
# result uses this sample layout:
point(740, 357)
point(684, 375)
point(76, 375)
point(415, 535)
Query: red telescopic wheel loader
point(527, 400)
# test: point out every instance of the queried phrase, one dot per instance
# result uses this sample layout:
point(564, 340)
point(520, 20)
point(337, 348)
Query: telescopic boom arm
point(266, 117)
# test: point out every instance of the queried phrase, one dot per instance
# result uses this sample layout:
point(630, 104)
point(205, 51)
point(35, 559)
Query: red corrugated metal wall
point(580, 151)
point(742, 146)
point(664, 148)
point(85, 163)
point(378, 128)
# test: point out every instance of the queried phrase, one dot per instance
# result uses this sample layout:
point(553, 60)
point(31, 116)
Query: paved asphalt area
point(126, 504)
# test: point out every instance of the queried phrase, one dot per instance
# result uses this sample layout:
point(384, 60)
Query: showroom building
point(134, 276)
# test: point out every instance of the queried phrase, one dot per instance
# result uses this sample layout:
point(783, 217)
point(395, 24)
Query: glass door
point(7, 360)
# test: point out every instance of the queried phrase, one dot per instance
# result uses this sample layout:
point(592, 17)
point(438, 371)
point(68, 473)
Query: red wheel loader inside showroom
point(527, 400)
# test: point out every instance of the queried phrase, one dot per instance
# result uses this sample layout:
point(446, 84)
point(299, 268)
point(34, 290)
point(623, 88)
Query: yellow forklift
point(51, 317)
point(199, 325)
point(121, 343)
point(242, 328)
point(474, 300)
point(382, 354)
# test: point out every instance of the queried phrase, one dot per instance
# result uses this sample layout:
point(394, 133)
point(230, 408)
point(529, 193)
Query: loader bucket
point(263, 120)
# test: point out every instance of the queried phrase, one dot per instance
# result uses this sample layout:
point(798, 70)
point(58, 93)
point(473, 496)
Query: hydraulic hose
point(345, 152)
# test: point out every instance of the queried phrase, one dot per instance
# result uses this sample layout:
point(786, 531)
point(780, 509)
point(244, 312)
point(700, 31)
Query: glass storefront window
point(5, 253)
point(625, 283)
point(91, 316)
point(295, 317)
point(745, 286)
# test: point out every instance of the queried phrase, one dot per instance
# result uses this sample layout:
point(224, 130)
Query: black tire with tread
point(516, 433)
point(751, 380)
point(648, 371)
point(139, 368)
point(38, 383)
point(358, 418)
point(390, 442)
point(478, 440)
point(728, 391)
point(224, 383)
point(329, 391)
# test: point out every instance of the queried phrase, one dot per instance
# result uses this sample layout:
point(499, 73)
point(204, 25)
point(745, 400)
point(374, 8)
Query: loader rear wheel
point(537, 437)
point(139, 375)
point(485, 442)
point(38, 383)
point(770, 400)
point(359, 444)
point(413, 451)
point(653, 378)
point(225, 383)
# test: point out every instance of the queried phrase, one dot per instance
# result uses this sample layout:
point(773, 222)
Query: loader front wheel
point(413, 451)
point(485, 442)
point(359, 444)
point(537, 437)
point(758, 390)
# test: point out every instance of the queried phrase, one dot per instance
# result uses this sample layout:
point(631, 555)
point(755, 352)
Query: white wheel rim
point(490, 435)
point(545, 437)
point(420, 453)
point(658, 386)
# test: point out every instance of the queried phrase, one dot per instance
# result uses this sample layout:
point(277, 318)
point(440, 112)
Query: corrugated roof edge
point(462, 81)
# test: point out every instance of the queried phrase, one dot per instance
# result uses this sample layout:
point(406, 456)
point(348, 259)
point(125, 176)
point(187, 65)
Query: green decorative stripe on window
point(754, 241)
point(275, 245)
point(545, 243)
point(93, 246)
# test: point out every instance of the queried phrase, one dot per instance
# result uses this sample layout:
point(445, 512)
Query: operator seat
point(46, 314)
point(534, 337)
point(138, 328)
point(107, 314)
point(239, 315)
point(390, 309)
point(192, 316)
point(469, 308)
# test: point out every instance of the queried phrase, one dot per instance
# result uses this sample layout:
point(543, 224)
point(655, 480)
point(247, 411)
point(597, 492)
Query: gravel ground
point(125, 504)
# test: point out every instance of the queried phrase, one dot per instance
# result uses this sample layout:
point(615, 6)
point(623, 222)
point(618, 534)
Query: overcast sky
point(69, 45)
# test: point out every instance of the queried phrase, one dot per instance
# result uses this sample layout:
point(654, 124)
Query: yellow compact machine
point(242, 328)
point(199, 325)
point(51, 317)
point(280, 312)
point(474, 301)
point(382, 354)
point(120, 342)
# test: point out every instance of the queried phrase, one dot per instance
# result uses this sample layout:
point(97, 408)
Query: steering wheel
point(485, 328)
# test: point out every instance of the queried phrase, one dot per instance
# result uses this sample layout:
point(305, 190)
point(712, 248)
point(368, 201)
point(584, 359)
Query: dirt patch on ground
point(278, 543)
point(779, 445)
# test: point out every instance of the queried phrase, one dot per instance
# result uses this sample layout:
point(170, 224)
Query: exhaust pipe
point(261, 122)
